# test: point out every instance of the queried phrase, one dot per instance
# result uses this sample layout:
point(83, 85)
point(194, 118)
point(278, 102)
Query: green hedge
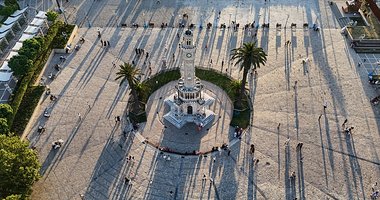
point(240, 118)
point(29, 79)
point(26, 109)
point(18, 94)
point(219, 79)
point(157, 81)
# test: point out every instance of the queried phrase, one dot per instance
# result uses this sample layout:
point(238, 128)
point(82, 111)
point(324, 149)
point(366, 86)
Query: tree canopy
point(19, 167)
point(130, 73)
point(247, 57)
point(10, 7)
point(31, 48)
point(20, 65)
point(4, 128)
point(6, 111)
point(51, 15)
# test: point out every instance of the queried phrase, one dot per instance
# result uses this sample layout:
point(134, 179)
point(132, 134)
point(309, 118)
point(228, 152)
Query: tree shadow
point(355, 166)
point(288, 182)
point(323, 152)
point(329, 144)
point(107, 177)
point(301, 178)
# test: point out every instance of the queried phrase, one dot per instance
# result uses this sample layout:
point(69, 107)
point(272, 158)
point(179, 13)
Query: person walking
point(252, 150)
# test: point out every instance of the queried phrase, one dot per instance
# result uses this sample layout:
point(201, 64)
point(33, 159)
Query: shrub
point(62, 36)
point(13, 197)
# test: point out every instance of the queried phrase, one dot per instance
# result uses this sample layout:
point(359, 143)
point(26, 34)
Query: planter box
point(69, 41)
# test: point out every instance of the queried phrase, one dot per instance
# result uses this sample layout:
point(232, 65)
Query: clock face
point(188, 55)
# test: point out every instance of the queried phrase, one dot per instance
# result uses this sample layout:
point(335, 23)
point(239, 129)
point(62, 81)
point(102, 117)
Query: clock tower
point(189, 103)
point(188, 52)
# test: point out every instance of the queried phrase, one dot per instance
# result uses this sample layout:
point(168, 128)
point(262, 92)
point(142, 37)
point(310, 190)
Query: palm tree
point(247, 57)
point(131, 74)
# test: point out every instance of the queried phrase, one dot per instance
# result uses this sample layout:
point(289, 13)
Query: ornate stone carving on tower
point(190, 103)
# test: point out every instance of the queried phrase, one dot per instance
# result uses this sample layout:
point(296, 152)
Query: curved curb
point(143, 140)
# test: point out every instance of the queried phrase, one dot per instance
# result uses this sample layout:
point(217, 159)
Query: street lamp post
point(61, 10)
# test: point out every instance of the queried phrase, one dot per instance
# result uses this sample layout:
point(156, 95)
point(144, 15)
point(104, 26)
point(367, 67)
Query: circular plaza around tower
point(188, 139)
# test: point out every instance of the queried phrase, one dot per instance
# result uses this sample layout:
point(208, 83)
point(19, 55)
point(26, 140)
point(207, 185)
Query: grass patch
point(26, 109)
point(156, 82)
point(219, 79)
point(241, 117)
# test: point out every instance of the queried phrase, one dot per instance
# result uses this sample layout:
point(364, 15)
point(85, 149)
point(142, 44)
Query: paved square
point(288, 99)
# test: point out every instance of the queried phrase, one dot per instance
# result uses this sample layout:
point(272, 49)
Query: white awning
point(5, 67)
point(41, 15)
point(11, 54)
point(25, 37)
point(5, 76)
point(17, 46)
point(4, 28)
point(18, 12)
point(31, 30)
point(37, 22)
point(2, 35)
point(11, 20)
